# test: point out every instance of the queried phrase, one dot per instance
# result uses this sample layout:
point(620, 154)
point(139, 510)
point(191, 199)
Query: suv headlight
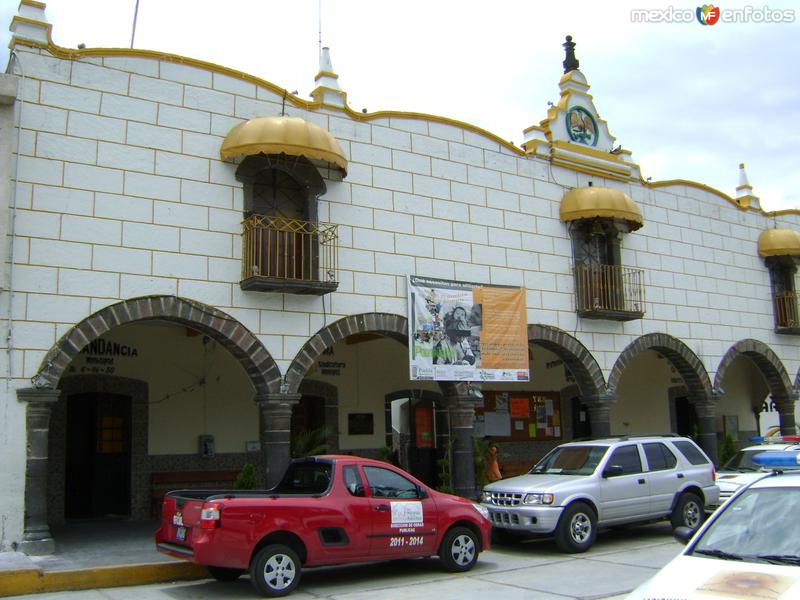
point(538, 498)
point(486, 496)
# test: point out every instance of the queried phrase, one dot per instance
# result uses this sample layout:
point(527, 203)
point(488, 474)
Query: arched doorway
point(110, 386)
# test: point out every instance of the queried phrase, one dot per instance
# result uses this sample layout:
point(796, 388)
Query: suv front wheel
point(688, 511)
point(577, 528)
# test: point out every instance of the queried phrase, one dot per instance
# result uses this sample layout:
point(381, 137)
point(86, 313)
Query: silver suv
point(580, 486)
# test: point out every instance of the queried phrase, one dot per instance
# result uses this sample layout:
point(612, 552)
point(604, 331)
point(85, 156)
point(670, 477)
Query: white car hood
point(696, 578)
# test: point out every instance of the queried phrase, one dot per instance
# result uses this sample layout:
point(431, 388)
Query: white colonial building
point(200, 266)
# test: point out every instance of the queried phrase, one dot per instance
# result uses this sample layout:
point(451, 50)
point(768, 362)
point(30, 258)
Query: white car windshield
point(571, 460)
point(761, 525)
point(741, 461)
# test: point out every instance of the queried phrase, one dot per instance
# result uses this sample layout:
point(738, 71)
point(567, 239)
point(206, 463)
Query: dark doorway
point(685, 419)
point(98, 456)
point(309, 432)
point(422, 447)
point(581, 425)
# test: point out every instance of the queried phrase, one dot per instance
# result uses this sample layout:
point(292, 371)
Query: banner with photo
point(461, 331)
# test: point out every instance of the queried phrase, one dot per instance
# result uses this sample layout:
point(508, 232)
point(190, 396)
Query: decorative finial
point(325, 64)
point(570, 62)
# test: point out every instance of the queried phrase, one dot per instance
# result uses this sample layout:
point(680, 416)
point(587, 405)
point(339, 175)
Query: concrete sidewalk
point(94, 554)
point(122, 555)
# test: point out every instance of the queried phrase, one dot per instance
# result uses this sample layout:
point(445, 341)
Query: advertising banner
point(461, 331)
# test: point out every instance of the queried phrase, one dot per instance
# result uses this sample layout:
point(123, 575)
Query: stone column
point(706, 410)
point(599, 407)
point(36, 538)
point(785, 406)
point(276, 421)
point(461, 410)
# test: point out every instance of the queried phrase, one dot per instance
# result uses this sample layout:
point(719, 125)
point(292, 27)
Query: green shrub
point(728, 449)
point(246, 479)
point(309, 443)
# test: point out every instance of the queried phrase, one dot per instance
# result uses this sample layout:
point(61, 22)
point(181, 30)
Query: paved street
point(531, 570)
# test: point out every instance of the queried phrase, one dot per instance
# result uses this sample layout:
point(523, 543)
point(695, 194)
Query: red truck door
point(404, 518)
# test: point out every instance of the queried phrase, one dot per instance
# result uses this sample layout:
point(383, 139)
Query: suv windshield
point(571, 460)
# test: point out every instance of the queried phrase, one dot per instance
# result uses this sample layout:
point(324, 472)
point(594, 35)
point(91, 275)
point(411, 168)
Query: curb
point(35, 581)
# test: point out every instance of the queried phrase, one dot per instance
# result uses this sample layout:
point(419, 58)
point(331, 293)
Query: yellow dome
point(779, 242)
point(283, 135)
point(591, 202)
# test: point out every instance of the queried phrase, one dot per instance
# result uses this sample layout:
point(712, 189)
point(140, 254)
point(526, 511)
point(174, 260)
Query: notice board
point(519, 416)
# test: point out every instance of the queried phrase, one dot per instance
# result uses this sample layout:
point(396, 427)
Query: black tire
point(688, 512)
point(459, 550)
point(275, 571)
point(224, 573)
point(577, 528)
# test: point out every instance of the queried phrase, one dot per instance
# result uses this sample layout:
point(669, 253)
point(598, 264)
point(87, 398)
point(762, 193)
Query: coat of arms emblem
point(581, 126)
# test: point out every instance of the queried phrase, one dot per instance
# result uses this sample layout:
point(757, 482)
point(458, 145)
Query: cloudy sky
point(690, 101)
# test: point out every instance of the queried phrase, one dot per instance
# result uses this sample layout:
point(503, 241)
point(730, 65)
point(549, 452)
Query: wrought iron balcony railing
point(288, 255)
point(609, 292)
point(786, 317)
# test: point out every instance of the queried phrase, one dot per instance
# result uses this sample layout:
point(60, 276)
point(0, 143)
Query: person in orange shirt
point(492, 465)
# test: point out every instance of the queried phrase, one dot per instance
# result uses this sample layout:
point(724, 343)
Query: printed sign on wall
point(462, 331)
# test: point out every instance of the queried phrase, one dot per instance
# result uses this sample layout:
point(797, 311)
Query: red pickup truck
point(327, 510)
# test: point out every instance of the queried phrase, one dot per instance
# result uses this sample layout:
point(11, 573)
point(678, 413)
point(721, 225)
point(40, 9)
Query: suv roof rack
point(628, 436)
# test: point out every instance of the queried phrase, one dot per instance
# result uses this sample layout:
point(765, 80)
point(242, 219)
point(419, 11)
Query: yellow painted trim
point(568, 77)
point(590, 171)
point(716, 192)
point(696, 185)
point(322, 74)
point(77, 54)
point(587, 151)
point(328, 88)
point(34, 581)
point(593, 165)
point(743, 187)
point(29, 21)
point(34, 3)
point(533, 128)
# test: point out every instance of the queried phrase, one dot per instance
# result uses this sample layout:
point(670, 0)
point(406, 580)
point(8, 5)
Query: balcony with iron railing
point(288, 255)
point(786, 317)
point(609, 292)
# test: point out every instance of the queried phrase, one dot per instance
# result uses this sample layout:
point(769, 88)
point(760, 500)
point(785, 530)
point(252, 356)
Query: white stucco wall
point(122, 194)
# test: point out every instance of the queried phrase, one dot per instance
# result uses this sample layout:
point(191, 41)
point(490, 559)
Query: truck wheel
point(577, 528)
point(224, 573)
point(275, 570)
point(459, 550)
point(688, 511)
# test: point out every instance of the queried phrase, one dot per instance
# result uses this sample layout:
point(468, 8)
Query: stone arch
point(385, 324)
point(681, 357)
point(260, 367)
point(767, 362)
point(581, 363)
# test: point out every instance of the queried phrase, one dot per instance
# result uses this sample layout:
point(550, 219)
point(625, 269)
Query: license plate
point(180, 534)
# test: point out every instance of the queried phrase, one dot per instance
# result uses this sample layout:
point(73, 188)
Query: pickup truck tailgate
point(180, 519)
